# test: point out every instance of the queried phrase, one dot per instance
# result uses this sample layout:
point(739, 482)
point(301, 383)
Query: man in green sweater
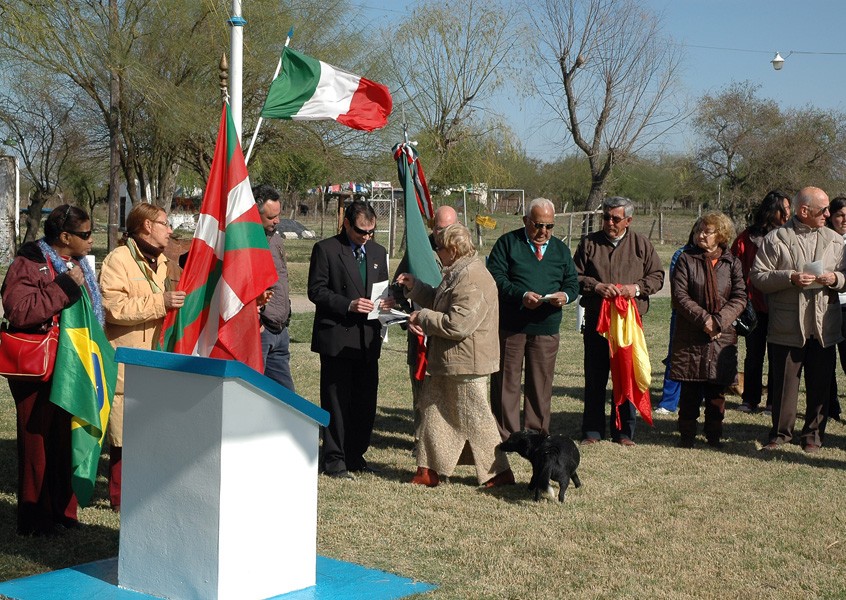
point(535, 275)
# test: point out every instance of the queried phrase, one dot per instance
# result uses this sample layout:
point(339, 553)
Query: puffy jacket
point(696, 357)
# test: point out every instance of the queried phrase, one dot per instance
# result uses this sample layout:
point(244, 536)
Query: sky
point(724, 41)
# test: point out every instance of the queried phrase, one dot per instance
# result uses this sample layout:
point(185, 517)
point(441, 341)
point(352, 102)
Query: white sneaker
point(663, 411)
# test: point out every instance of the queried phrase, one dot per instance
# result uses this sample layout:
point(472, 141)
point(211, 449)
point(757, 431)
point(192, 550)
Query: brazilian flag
point(84, 385)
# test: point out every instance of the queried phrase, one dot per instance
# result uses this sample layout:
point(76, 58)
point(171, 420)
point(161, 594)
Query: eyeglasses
point(613, 218)
point(818, 211)
point(360, 231)
point(83, 235)
point(165, 223)
point(540, 226)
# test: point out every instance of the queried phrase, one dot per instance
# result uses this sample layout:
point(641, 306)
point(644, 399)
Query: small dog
point(553, 457)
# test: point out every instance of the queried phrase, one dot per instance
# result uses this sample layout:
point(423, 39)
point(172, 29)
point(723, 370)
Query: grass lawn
point(652, 521)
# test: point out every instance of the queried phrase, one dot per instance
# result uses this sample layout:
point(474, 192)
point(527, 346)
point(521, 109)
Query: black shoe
point(685, 442)
point(716, 443)
point(340, 474)
point(365, 469)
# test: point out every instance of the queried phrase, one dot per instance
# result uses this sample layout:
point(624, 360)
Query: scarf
point(712, 298)
point(140, 251)
point(60, 266)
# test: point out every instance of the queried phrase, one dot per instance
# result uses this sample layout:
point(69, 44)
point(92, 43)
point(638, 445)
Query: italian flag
point(309, 89)
point(229, 265)
point(631, 374)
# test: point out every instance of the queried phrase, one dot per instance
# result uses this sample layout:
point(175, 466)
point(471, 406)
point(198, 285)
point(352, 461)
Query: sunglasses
point(540, 226)
point(83, 235)
point(612, 218)
point(360, 231)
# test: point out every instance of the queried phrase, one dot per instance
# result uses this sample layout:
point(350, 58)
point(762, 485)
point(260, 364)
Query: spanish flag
point(631, 372)
point(84, 385)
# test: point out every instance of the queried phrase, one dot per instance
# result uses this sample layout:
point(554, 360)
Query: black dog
point(553, 457)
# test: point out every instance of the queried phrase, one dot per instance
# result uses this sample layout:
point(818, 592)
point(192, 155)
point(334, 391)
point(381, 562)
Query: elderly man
point(612, 262)
point(341, 275)
point(444, 216)
point(535, 276)
point(276, 313)
point(799, 266)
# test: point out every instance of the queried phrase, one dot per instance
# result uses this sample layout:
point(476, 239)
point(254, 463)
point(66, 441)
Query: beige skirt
point(455, 412)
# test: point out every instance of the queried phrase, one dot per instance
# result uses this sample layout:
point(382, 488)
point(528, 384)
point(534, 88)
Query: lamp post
point(777, 62)
point(12, 143)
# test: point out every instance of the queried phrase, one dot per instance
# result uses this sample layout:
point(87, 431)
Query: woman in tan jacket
point(137, 282)
point(460, 318)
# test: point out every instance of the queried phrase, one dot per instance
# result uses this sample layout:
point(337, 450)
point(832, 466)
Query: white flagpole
point(236, 67)
point(260, 120)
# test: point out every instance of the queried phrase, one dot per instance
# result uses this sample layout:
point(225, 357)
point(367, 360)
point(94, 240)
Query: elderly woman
point(461, 318)
point(709, 293)
point(46, 277)
point(138, 285)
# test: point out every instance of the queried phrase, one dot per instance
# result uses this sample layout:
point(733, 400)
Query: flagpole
point(236, 71)
point(260, 120)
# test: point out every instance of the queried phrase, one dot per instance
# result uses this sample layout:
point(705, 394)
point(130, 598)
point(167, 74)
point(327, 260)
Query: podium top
point(225, 369)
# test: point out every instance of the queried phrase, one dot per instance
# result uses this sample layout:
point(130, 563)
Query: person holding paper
point(341, 276)
point(536, 277)
point(459, 316)
point(805, 316)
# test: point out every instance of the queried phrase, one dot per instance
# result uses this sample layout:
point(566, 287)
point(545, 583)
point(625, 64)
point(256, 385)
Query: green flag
point(84, 385)
point(421, 261)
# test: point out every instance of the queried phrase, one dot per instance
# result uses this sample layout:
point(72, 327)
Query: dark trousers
point(786, 364)
point(539, 353)
point(276, 354)
point(690, 400)
point(753, 364)
point(597, 365)
point(348, 393)
point(45, 496)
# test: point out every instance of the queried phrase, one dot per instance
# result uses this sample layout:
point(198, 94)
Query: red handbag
point(28, 356)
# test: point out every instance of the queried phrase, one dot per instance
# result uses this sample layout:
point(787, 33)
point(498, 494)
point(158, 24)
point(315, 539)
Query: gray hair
point(617, 202)
point(456, 237)
point(542, 203)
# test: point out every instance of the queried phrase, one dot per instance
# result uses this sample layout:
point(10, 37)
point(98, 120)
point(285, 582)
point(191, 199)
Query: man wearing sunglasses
point(614, 261)
point(535, 275)
point(341, 275)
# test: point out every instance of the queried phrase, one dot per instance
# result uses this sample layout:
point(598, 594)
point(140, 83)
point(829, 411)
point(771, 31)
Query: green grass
point(653, 521)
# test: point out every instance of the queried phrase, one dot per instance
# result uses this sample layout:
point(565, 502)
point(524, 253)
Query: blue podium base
point(336, 579)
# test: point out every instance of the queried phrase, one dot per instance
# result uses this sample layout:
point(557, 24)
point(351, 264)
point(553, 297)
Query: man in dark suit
point(341, 275)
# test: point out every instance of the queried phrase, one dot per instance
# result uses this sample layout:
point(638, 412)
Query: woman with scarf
point(46, 277)
point(138, 284)
point(709, 293)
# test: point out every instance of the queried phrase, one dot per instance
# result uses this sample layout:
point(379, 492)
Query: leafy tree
point(609, 77)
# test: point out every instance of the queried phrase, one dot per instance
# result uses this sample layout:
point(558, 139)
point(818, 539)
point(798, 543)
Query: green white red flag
point(229, 265)
point(311, 90)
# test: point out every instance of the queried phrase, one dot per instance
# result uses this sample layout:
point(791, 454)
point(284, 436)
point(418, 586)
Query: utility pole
point(114, 129)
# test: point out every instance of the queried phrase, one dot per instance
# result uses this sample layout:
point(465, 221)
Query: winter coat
point(696, 357)
point(798, 314)
point(461, 318)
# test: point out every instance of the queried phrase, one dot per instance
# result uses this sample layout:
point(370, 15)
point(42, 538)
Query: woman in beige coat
point(460, 318)
point(137, 282)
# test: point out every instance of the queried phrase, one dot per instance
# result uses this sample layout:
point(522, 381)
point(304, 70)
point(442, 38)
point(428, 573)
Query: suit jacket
point(333, 282)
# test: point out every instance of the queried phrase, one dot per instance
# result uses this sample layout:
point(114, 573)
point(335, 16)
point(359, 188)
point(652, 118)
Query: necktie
point(362, 263)
point(538, 252)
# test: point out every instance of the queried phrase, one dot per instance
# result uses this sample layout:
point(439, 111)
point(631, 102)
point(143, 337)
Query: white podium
point(219, 491)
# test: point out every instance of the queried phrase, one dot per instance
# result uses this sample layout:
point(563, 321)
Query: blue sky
point(749, 31)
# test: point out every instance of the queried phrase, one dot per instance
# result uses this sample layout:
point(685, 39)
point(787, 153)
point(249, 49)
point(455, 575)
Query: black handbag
point(747, 321)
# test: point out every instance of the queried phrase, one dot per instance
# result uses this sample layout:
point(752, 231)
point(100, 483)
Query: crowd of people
point(488, 333)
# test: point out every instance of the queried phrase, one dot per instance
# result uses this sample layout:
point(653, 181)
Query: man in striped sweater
point(535, 275)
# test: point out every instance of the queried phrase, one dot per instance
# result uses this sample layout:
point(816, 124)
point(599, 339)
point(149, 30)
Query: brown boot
point(426, 477)
point(504, 478)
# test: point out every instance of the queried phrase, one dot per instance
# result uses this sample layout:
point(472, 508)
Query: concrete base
point(98, 581)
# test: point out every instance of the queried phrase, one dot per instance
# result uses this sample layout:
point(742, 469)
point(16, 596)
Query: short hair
point(722, 225)
point(63, 218)
point(541, 202)
point(771, 206)
point(457, 237)
point(617, 202)
point(359, 207)
point(264, 192)
point(140, 213)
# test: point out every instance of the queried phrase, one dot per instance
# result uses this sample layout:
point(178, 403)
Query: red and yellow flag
point(631, 372)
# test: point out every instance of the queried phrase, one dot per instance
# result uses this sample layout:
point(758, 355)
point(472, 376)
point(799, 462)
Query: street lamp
point(777, 62)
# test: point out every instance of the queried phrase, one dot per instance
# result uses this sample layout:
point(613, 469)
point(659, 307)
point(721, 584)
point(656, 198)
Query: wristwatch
point(637, 291)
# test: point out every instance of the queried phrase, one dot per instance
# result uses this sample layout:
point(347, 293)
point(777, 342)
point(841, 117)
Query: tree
point(609, 78)
point(38, 117)
point(448, 59)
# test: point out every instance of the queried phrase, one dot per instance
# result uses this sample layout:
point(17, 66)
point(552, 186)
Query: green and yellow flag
point(84, 385)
